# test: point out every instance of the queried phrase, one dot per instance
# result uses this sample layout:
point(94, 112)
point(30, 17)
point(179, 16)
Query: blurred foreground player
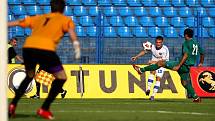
point(190, 53)
point(40, 48)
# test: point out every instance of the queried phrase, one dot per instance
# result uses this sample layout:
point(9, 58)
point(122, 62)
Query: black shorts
point(47, 60)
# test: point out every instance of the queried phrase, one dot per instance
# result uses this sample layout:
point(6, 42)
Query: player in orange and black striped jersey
point(40, 48)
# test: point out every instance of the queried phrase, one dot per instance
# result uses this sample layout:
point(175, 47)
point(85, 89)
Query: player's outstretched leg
point(18, 94)
point(56, 87)
point(151, 67)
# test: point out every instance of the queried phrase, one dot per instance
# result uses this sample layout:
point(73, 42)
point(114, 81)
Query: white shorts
point(160, 72)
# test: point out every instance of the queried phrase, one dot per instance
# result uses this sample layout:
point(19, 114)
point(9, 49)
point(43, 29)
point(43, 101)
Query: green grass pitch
point(119, 110)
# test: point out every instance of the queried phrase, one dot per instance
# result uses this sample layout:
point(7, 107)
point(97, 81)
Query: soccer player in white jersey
point(159, 52)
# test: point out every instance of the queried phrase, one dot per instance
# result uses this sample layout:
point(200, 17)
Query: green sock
point(151, 67)
point(190, 90)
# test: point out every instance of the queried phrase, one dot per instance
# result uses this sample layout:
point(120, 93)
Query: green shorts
point(184, 71)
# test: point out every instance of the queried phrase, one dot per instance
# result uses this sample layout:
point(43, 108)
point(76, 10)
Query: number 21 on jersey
point(195, 49)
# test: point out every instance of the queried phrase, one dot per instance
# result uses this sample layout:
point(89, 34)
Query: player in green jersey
point(190, 53)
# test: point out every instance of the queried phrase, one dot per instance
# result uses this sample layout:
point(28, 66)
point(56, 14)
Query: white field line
point(125, 111)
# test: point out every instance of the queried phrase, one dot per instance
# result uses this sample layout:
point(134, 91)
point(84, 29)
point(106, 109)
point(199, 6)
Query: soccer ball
point(147, 45)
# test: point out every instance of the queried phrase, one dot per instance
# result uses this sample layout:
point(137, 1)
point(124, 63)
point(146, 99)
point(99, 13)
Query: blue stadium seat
point(185, 12)
point(27, 31)
point(116, 21)
point(33, 10)
point(212, 32)
point(131, 21)
point(104, 21)
point(22, 16)
point(18, 10)
point(93, 11)
point(170, 11)
point(163, 3)
point(73, 2)
point(80, 31)
point(146, 21)
point(125, 11)
point(155, 11)
point(181, 31)
point(208, 22)
point(19, 31)
point(170, 32)
point(204, 33)
point(177, 22)
point(14, 2)
point(201, 10)
point(10, 18)
point(140, 11)
point(161, 21)
point(86, 21)
point(44, 2)
point(89, 2)
point(208, 3)
point(68, 11)
point(104, 2)
point(29, 2)
point(80, 11)
point(119, 2)
point(124, 32)
point(91, 31)
point(109, 32)
point(46, 9)
point(191, 21)
point(139, 32)
point(179, 3)
point(9, 10)
point(211, 12)
point(192, 3)
point(134, 3)
point(75, 20)
point(154, 31)
point(148, 3)
point(110, 11)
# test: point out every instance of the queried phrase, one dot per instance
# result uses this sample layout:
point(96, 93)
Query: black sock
point(61, 90)
point(38, 88)
point(21, 90)
point(54, 91)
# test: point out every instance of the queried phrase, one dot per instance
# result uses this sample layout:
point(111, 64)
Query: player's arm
point(166, 56)
point(21, 22)
point(142, 53)
point(75, 42)
point(13, 23)
point(184, 58)
point(201, 51)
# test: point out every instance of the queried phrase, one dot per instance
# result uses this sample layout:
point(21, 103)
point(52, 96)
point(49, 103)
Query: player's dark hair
point(159, 38)
point(14, 38)
point(188, 32)
point(57, 5)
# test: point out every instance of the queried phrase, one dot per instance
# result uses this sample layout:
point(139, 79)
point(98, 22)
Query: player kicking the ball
point(159, 52)
point(190, 52)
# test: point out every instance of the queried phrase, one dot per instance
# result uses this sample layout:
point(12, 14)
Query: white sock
point(156, 87)
point(150, 80)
